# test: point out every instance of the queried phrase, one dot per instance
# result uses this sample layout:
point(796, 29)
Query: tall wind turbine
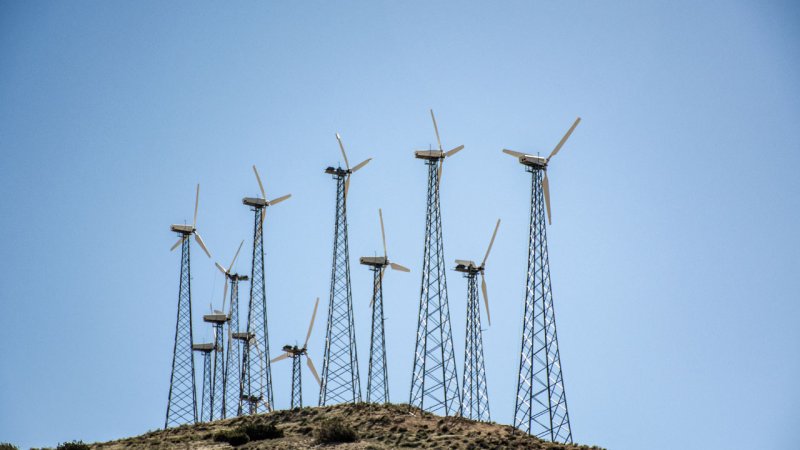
point(296, 353)
point(434, 381)
point(541, 404)
point(260, 382)
point(340, 380)
point(377, 377)
point(233, 358)
point(182, 398)
point(475, 400)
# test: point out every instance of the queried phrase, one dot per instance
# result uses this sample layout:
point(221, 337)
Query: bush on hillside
point(7, 446)
point(333, 431)
point(260, 431)
point(74, 445)
point(234, 437)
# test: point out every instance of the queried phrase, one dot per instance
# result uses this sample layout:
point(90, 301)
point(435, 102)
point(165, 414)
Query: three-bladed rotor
point(187, 230)
point(539, 162)
point(440, 154)
point(382, 262)
point(296, 352)
point(228, 274)
point(262, 202)
point(471, 268)
point(348, 171)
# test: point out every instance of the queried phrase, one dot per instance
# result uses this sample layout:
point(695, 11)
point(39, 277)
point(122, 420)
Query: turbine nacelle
point(217, 317)
point(183, 229)
point(375, 261)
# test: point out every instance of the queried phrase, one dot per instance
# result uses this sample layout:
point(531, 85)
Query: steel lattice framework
point(541, 403)
point(434, 381)
point(182, 398)
point(377, 377)
point(218, 380)
point(259, 371)
point(233, 364)
point(207, 393)
point(475, 402)
point(297, 382)
point(340, 379)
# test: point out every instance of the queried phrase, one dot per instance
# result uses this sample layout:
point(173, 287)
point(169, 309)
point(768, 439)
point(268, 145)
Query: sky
point(674, 252)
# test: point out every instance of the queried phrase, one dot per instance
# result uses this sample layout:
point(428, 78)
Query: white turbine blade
point(454, 151)
point(180, 241)
point(311, 324)
point(341, 146)
point(491, 243)
point(436, 128)
point(360, 165)
point(225, 295)
point(346, 185)
point(196, 203)
point(280, 358)
point(235, 256)
point(546, 189)
point(564, 139)
point(513, 153)
point(313, 369)
point(221, 269)
point(485, 299)
point(396, 266)
point(441, 167)
point(260, 186)
point(383, 234)
point(202, 244)
point(279, 199)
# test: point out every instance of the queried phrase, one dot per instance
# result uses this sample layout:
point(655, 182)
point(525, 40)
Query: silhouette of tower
point(377, 377)
point(340, 379)
point(475, 400)
point(541, 403)
point(217, 405)
point(207, 395)
point(182, 397)
point(434, 381)
point(296, 353)
point(233, 358)
point(260, 382)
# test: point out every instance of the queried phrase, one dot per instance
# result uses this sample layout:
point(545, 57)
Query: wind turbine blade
point(546, 189)
point(441, 168)
point(280, 358)
point(311, 324)
point(341, 146)
point(513, 153)
point(260, 186)
point(235, 256)
point(196, 203)
point(436, 128)
point(383, 234)
point(313, 369)
point(202, 244)
point(485, 257)
point(180, 241)
point(346, 185)
point(225, 294)
point(564, 139)
point(454, 151)
point(485, 299)
point(396, 266)
point(279, 199)
point(360, 165)
point(221, 269)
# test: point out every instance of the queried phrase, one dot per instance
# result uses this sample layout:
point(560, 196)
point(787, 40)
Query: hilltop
point(376, 426)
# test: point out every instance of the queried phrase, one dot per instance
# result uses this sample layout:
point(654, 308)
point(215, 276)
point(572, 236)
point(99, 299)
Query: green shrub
point(7, 446)
point(332, 431)
point(74, 445)
point(260, 431)
point(234, 437)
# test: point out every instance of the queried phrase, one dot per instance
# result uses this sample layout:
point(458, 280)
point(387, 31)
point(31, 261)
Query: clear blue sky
point(674, 250)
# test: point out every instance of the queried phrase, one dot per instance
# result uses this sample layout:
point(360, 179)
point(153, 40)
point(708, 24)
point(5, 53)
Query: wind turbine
point(296, 353)
point(182, 398)
point(377, 378)
point(541, 163)
point(475, 399)
point(349, 171)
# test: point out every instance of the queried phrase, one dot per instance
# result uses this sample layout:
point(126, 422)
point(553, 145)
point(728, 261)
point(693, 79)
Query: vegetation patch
point(332, 431)
point(74, 445)
point(7, 446)
point(261, 431)
point(234, 437)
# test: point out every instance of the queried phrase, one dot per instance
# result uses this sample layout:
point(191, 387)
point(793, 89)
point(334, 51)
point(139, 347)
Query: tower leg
point(475, 402)
point(207, 395)
point(233, 363)
point(297, 383)
point(218, 381)
point(541, 403)
point(182, 399)
point(259, 370)
point(434, 381)
point(377, 377)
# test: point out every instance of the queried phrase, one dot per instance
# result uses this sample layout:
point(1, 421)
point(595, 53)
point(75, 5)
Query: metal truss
point(206, 405)
point(233, 363)
point(182, 398)
point(340, 380)
point(218, 380)
point(377, 378)
point(475, 402)
point(434, 381)
point(260, 374)
point(541, 403)
point(297, 383)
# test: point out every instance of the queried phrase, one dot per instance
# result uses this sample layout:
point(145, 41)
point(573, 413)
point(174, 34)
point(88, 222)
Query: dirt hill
point(373, 426)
